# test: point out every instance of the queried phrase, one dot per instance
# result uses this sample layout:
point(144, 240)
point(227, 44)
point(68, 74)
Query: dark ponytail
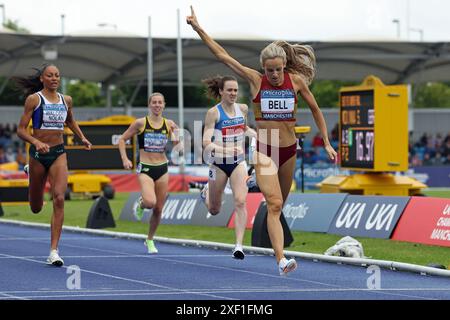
point(215, 84)
point(31, 84)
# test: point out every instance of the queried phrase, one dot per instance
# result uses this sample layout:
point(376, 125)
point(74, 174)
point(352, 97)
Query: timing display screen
point(357, 136)
point(105, 148)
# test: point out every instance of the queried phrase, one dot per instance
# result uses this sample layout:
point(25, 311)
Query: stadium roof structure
point(122, 59)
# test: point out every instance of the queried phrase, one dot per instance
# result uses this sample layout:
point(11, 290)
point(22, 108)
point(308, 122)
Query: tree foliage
point(326, 92)
point(85, 93)
point(433, 95)
point(14, 25)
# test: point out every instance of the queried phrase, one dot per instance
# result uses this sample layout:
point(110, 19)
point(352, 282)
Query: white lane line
point(224, 290)
point(41, 239)
point(122, 278)
point(156, 257)
point(11, 297)
point(287, 278)
point(115, 293)
point(146, 256)
point(238, 270)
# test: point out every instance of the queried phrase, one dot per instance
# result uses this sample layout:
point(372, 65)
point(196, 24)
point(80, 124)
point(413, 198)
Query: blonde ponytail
point(299, 59)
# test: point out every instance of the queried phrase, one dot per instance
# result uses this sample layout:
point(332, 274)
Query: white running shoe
point(55, 259)
point(203, 192)
point(285, 266)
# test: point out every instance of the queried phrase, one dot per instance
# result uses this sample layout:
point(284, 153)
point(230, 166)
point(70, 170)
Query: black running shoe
point(238, 254)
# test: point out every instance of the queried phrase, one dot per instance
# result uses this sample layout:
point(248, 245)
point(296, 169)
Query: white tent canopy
point(119, 59)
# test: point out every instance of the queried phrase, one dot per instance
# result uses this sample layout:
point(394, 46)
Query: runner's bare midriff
point(285, 136)
point(152, 157)
point(50, 137)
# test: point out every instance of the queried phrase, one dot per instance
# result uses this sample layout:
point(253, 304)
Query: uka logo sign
point(380, 217)
point(179, 209)
point(368, 216)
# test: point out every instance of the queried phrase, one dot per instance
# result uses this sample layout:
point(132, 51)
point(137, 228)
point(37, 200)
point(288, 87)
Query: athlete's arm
point(248, 131)
point(252, 76)
point(306, 94)
point(73, 125)
point(30, 103)
point(174, 132)
point(132, 130)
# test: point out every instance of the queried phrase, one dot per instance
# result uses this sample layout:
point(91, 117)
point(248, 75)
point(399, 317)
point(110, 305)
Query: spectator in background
point(15, 140)
point(438, 159)
point(415, 161)
point(3, 139)
point(423, 141)
point(335, 132)
point(428, 160)
point(447, 138)
point(445, 150)
point(2, 155)
point(21, 159)
point(8, 131)
point(447, 160)
point(438, 141)
point(317, 141)
point(9, 154)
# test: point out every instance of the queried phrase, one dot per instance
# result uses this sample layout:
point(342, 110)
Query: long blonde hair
point(299, 59)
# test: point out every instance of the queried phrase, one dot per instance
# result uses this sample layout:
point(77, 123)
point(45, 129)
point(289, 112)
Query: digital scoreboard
point(104, 135)
point(373, 127)
point(357, 129)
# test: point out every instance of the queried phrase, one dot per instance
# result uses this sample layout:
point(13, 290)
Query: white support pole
point(180, 88)
point(63, 31)
point(149, 59)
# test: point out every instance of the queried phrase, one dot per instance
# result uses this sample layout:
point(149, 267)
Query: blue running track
point(116, 268)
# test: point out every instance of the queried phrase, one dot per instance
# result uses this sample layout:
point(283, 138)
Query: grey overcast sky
point(300, 20)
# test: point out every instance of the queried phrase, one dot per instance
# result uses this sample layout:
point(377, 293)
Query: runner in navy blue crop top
point(49, 111)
